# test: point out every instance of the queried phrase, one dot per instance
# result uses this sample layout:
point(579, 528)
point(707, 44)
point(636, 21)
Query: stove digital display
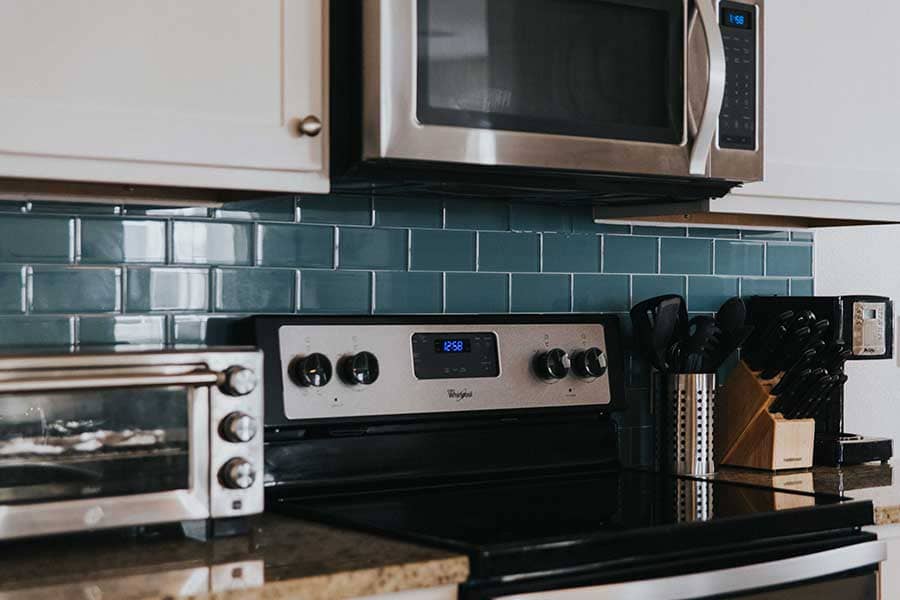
point(452, 346)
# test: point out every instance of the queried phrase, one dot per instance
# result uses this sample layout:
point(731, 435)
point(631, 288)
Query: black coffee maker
point(864, 325)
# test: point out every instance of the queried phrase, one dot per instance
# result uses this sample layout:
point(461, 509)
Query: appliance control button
point(238, 381)
point(552, 365)
point(312, 370)
point(361, 368)
point(237, 474)
point(590, 363)
point(238, 427)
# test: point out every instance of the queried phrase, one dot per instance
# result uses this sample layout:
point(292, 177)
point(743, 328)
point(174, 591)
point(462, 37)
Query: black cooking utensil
point(731, 320)
point(657, 323)
point(702, 341)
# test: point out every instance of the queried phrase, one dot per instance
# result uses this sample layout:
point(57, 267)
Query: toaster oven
point(100, 440)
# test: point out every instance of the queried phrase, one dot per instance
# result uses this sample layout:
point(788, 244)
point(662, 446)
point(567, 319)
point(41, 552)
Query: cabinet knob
point(310, 126)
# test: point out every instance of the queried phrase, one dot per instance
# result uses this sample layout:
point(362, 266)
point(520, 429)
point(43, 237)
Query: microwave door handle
point(124, 380)
point(715, 91)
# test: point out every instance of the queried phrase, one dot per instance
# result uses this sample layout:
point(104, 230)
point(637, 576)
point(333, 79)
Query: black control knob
point(361, 368)
point(552, 365)
point(590, 363)
point(312, 370)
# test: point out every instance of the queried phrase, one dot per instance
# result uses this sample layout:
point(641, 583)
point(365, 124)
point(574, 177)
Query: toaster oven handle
point(715, 91)
point(124, 380)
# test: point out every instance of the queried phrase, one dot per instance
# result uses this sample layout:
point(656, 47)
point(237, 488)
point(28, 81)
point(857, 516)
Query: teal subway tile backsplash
point(509, 252)
point(476, 293)
point(384, 249)
point(145, 275)
point(752, 234)
point(282, 245)
point(432, 250)
point(411, 293)
point(540, 293)
point(113, 241)
point(37, 239)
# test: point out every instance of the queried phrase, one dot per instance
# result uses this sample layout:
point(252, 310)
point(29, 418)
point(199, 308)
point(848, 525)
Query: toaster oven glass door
point(602, 69)
point(70, 445)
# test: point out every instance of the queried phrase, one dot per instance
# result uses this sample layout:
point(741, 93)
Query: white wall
point(865, 260)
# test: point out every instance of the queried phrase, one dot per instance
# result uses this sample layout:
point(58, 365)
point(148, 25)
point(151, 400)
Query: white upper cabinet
point(832, 112)
point(195, 93)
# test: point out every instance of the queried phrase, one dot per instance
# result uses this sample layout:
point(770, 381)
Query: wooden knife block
point(748, 435)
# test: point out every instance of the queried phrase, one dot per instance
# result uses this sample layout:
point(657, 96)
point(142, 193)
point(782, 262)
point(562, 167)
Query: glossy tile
point(764, 287)
point(707, 294)
point(583, 222)
point(602, 293)
point(336, 209)
point(791, 261)
point(12, 290)
point(475, 293)
point(629, 254)
point(336, 292)
point(204, 329)
point(686, 255)
point(37, 239)
point(136, 329)
point(540, 293)
point(113, 241)
point(503, 252)
point(713, 232)
point(408, 212)
point(802, 287)
point(646, 286)
point(486, 215)
point(571, 253)
point(272, 208)
point(739, 258)
point(36, 331)
point(659, 231)
point(292, 245)
point(162, 288)
point(72, 208)
point(213, 243)
point(254, 290)
point(408, 293)
point(373, 248)
point(539, 217)
point(76, 290)
point(433, 250)
point(802, 236)
point(752, 234)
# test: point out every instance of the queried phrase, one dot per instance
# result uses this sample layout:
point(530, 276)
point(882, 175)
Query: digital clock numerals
point(453, 345)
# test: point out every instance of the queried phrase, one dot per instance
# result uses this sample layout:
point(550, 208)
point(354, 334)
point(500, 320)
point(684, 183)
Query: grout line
point(602, 253)
point(409, 249)
point(336, 260)
point(444, 292)
point(372, 283)
point(571, 292)
point(765, 261)
point(540, 252)
point(76, 241)
point(477, 251)
point(659, 256)
point(297, 290)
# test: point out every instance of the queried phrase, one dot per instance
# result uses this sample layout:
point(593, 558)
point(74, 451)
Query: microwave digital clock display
point(740, 19)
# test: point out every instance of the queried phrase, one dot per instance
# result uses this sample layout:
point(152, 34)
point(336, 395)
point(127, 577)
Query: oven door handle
point(123, 380)
point(727, 581)
point(715, 90)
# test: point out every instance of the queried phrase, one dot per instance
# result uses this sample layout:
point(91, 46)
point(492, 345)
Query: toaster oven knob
point(361, 368)
point(313, 370)
point(552, 365)
point(238, 427)
point(238, 381)
point(590, 364)
point(237, 474)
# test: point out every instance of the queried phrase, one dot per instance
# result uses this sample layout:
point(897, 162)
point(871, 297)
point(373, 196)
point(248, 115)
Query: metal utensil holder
point(687, 406)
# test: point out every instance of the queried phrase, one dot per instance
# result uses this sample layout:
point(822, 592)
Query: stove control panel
point(341, 371)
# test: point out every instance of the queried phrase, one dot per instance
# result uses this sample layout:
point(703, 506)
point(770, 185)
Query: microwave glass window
point(606, 69)
point(70, 445)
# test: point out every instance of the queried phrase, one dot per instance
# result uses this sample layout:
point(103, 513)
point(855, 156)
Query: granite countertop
point(873, 482)
point(281, 558)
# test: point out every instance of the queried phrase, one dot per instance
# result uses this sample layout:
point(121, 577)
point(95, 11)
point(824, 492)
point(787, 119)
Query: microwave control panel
point(737, 121)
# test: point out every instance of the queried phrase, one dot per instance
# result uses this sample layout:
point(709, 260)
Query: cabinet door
point(201, 93)
point(832, 132)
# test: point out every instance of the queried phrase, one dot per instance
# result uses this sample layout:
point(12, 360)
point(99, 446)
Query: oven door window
point(593, 68)
point(73, 445)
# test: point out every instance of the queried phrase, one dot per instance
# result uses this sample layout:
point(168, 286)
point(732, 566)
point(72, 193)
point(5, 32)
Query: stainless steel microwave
point(98, 440)
point(667, 88)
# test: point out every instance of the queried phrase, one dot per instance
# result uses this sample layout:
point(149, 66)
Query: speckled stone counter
point(280, 558)
point(873, 482)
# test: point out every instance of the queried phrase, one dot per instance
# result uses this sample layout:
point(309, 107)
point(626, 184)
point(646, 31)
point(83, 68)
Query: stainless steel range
point(495, 436)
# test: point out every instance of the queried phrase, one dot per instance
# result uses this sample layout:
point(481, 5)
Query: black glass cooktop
point(588, 517)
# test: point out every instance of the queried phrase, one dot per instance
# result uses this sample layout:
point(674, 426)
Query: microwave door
point(594, 86)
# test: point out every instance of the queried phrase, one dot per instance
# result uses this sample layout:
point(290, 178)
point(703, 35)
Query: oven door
point(586, 85)
point(848, 573)
point(104, 447)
